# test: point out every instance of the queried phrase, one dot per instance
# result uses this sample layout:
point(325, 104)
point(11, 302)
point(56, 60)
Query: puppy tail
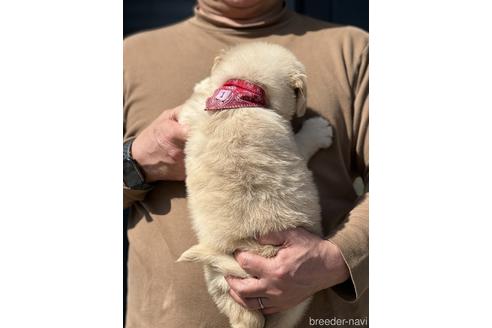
point(197, 253)
point(222, 263)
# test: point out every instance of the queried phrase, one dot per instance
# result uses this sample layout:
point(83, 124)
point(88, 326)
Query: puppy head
point(272, 67)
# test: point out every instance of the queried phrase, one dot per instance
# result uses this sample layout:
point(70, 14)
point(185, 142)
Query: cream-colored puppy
point(246, 171)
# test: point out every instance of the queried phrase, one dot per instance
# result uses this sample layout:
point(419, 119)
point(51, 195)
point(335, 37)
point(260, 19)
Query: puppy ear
point(299, 83)
point(218, 59)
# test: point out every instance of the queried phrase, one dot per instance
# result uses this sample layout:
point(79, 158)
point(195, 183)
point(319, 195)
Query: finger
point(276, 238)
point(248, 287)
point(180, 132)
point(252, 263)
point(250, 303)
point(173, 114)
point(270, 310)
point(239, 300)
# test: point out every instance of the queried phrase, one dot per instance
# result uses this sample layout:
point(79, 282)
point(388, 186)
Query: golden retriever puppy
point(246, 170)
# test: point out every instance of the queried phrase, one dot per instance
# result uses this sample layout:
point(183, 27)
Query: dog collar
point(236, 93)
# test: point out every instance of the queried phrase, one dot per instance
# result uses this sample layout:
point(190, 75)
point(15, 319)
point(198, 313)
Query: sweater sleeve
point(352, 236)
point(129, 196)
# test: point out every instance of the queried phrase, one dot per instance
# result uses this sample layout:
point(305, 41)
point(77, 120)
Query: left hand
point(304, 265)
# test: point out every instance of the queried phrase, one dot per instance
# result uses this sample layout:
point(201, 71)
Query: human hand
point(159, 148)
point(304, 265)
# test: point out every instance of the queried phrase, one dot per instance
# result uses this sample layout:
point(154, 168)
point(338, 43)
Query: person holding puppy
point(160, 69)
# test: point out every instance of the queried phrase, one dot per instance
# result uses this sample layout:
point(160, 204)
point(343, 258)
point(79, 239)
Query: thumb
point(173, 113)
point(178, 132)
point(182, 130)
point(275, 238)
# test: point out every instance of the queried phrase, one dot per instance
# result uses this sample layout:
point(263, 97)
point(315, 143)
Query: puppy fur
point(247, 172)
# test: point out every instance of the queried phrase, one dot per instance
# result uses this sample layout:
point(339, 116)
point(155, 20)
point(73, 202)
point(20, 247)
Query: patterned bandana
point(236, 94)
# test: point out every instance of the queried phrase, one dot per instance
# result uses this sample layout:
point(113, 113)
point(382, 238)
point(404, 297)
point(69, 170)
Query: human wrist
point(335, 268)
point(160, 160)
point(133, 174)
point(143, 159)
point(138, 154)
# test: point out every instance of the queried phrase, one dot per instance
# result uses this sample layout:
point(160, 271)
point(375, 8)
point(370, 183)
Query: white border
point(430, 218)
point(61, 212)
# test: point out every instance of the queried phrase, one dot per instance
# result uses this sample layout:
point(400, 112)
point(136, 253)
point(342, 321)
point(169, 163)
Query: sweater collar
point(241, 27)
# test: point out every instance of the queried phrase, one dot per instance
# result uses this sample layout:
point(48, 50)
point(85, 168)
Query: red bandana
point(236, 94)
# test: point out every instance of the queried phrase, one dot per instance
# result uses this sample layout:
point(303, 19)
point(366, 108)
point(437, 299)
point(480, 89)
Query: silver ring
point(261, 303)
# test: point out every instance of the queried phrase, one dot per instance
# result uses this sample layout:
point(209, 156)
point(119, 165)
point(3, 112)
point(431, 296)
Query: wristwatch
point(133, 176)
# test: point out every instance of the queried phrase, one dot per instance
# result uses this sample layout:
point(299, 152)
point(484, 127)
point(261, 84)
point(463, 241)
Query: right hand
point(159, 149)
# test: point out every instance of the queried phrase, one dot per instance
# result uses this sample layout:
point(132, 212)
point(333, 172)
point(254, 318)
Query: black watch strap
point(133, 176)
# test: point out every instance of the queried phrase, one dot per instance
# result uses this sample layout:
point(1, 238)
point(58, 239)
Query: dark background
point(140, 15)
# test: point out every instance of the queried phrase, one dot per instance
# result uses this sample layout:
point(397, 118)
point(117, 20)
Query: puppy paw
point(267, 250)
point(320, 131)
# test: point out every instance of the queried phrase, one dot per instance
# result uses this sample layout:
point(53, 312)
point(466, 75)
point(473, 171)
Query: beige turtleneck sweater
point(160, 69)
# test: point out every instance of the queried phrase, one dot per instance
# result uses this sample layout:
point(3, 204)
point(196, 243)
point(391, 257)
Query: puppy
point(246, 171)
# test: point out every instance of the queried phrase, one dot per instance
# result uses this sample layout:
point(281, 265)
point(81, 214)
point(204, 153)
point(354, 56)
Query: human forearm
point(158, 154)
point(352, 238)
point(159, 148)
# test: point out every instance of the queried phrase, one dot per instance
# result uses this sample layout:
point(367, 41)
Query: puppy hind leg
point(239, 317)
point(252, 245)
point(263, 250)
point(315, 133)
point(289, 318)
point(267, 250)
